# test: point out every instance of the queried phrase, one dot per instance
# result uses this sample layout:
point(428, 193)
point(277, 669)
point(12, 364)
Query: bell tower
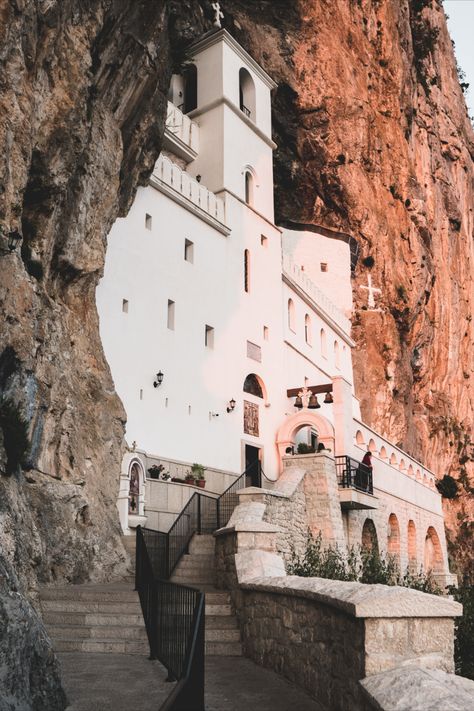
point(228, 94)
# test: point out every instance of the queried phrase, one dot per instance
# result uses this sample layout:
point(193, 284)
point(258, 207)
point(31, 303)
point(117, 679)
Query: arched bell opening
point(310, 424)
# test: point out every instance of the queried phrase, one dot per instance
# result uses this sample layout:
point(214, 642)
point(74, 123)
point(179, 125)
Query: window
point(189, 250)
point(209, 337)
point(125, 306)
point(324, 266)
point(247, 270)
point(322, 336)
point(265, 333)
point(246, 94)
point(171, 315)
point(141, 394)
point(307, 330)
point(190, 88)
point(264, 241)
point(248, 187)
point(148, 221)
point(252, 385)
point(337, 359)
point(291, 315)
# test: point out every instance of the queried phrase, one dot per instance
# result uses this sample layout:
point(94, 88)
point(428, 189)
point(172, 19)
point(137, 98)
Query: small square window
point(171, 315)
point(209, 337)
point(148, 221)
point(264, 241)
point(189, 251)
point(125, 306)
point(265, 333)
point(324, 266)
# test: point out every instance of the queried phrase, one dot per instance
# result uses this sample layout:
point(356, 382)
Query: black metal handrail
point(352, 474)
point(174, 619)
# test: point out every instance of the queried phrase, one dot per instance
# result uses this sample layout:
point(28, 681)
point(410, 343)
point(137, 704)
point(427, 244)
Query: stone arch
point(371, 446)
point(254, 385)
point(393, 459)
point(360, 438)
point(393, 537)
point(383, 453)
point(304, 418)
point(412, 557)
point(369, 539)
point(418, 475)
point(433, 554)
point(402, 465)
point(410, 471)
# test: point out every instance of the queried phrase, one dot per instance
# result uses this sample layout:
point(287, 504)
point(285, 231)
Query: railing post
point(218, 512)
point(138, 550)
point(199, 527)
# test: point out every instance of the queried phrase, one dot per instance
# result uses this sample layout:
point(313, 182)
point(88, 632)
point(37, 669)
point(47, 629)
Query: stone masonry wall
point(290, 515)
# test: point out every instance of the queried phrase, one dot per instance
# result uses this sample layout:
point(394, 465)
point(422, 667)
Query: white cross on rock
point(371, 290)
point(216, 6)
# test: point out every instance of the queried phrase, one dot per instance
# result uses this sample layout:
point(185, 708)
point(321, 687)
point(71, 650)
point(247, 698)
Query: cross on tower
point(371, 291)
point(216, 6)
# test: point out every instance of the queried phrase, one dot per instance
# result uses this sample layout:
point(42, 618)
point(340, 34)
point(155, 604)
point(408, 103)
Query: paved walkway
point(120, 682)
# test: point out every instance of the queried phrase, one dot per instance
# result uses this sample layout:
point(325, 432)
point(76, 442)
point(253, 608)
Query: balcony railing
point(182, 127)
point(352, 474)
point(245, 110)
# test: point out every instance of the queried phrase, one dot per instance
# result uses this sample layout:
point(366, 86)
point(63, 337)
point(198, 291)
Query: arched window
point(252, 385)
point(249, 184)
point(307, 330)
point(359, 437)
point(369, 536)
point(393, 459)
point(291, 315)
point(247, 270)
point(134, 489)
point(383, 453)
point(190, 88)
point(322, 336)
point(433, 552)
point(337, 359)
point(371, 446)
point(247, 94)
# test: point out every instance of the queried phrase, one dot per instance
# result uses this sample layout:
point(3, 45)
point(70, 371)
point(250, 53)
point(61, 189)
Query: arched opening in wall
point(359, 438)
point(253, 385)
point(410, 471)
point(134, 489)
point(393, 538)
point(433, 558)
point(337, 357)
point(383, 453)
point(402, 465)
point(291, 315)
point(249, 187)
point(412, 561)
point(246, 270)
point(190, 88)
point(307, 330)
point(322, 338)
point(393, 459)
point(418, 475)
point(316, 430)
point(369, 540)
point(425, 480)
point(247, 94)
point(371, 446)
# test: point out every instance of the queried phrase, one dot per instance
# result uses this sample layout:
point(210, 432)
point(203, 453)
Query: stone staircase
point(108, 619)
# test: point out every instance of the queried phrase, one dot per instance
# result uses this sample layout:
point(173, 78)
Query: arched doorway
point(134, 489)
point(288, 431)
point(369, 541)
point(412, 558)
point(433, 558)
point(253, 452)
point(393, 538)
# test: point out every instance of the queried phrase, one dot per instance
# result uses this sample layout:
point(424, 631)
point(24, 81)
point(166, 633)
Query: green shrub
point(304, 448)
point(15, 435)
point(447, 487)
point(464, 629)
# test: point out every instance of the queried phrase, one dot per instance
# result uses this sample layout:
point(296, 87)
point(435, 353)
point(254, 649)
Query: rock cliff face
point(375, 141)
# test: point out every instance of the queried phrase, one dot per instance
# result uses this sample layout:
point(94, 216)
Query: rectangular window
point(209, 337)
point(189, 250)
point(125, 306)
point(141, 394)
point(147, 221)
point(264, 241)
point(265, 333)
point(171, 315)
point(324, 266)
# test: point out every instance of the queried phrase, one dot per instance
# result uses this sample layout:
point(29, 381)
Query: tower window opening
point(307, 330)
point(170, 321)
point(190, 89)
point(246, 94)
point(148, 221)
point(125, 306)
point(209, 337)
point(322, 336)
point(264, 241)
point(247, 271)
point(189, 251)
point(249, 186)
point(291, 315)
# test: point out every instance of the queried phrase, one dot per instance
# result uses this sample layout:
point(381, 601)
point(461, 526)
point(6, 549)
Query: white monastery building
point(216, 322)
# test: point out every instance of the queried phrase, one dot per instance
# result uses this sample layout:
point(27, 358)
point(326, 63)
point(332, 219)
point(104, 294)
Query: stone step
point(218, 611)
point(202, 544)
point(192, 581)
point(91, 606)
point(220, 635)
point(223, 649)
point(51, 618)
point(102, 593)
point(101, 632)
point(203, 561)
point(221, 622)
point(103, 646)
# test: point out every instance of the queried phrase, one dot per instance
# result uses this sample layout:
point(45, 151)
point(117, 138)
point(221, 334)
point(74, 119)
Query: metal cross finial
point(216, 6)
point(371, 291)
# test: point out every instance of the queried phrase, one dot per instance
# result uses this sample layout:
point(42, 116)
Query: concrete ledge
point(355, 499)
point(418, 690)
point(358, 599)
point(246, 527)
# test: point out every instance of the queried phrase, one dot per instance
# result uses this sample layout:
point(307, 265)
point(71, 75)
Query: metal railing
point(245, 110)
point(174, 619)
point(352, 474)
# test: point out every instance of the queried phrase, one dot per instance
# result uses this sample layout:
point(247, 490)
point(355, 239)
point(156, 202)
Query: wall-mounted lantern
point(231, 405)
point(159, 379)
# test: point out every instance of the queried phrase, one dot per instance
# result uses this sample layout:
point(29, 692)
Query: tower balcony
point(181, 134)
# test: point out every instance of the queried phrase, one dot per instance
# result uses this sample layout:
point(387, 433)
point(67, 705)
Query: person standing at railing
point(365, 470)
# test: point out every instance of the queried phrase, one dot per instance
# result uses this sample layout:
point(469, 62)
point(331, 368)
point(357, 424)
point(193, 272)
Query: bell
point(299, 402)
point(313, 403)
point(328, 398)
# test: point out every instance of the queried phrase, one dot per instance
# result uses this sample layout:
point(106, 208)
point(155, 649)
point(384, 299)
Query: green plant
point(447, 487)
point(464, 629)
point(15, 435)
point(304, 448)
point(197, 471)
point(368, 262)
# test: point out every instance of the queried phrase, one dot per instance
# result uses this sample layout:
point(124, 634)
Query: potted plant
point(197, 471)
point(157, 471)
point(304, 448)
point(189, 478)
